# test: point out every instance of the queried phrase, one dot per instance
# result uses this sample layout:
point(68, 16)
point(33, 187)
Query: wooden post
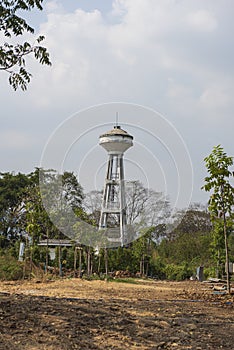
point(31, 262)
point(88, 261)
point(47, 251)
point(106, 261)
point(75, 259)
point(141, 263)
point(99, 262)
point(80, 261)
point(60, 264)
point(227, 254)
point(25, 258)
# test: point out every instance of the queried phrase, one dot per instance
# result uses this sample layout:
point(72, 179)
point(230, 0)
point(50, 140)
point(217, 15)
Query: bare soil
point(77, 314)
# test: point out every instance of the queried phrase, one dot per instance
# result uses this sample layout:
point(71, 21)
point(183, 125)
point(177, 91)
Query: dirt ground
point(77, 314)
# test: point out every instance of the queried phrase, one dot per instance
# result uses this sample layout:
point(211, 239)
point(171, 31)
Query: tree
point(136, 198)
point(12, 56)
point(142, 249)
point(72, 190)
point(93, 204)
point(222, 199)
point(157, 208)
point(217, 246)
point(189, 242)
point(12, 190)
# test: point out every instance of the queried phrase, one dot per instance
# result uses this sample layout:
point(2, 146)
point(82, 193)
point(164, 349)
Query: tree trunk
point(106, 261)
point(88, 261)
point(141, 267)
point(227, 253)
point(75, 259)
point(25, 259)
point(80, 262)
point(147, 268)
point(99, 263)
point(218, 265)
point(60, 264)
point(91, 264)
point(31, 262)
point(47, 252)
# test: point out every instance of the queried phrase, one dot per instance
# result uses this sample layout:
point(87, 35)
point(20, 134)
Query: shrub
point(157, 268)
point(177, 272)
point(210, 271)
point(10, 268)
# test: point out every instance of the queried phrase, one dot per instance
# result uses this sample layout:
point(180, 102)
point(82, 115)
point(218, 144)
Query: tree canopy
point(12, 53)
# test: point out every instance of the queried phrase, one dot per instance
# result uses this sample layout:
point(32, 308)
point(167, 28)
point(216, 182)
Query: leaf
point(12, 57)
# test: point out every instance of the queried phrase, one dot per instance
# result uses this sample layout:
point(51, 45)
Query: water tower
point(113, 212)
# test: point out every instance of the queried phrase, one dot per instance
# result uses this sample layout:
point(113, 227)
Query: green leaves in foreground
point(12, 56)
point(222, 199)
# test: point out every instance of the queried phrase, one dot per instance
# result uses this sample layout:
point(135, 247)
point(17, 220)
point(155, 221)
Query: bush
point(177, 272)
point(210, 271)
point(157, 268)
point(10, 268)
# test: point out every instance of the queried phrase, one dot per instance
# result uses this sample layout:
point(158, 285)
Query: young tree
point(12, 56)
point(222, 199)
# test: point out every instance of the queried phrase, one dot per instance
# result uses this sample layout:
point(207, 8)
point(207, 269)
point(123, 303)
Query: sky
point(175, 57)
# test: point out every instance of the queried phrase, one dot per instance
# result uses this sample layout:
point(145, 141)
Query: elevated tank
point(113, 211)
point(116, 141)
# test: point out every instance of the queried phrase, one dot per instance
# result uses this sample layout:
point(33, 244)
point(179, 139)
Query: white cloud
point(53, 6)
point(217, 96)
point(131, 54)
point(202, 21)
point(172, 55)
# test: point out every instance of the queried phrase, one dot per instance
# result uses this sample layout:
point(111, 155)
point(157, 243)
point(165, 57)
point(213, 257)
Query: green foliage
point(12, 190)
point(10, 268)
point(22, 210)
point(231, 245)
point(157, 267)
point(222, 199)
point(121, 259)
point(38, 254)
point(186, 247)
point(218, 243)
point(73, 191)
point(178, 272)
point(157, 253)
point(12, 56)
point(10, 22)
point(210, 271)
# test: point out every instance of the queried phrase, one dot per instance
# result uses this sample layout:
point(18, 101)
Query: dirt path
point(78, 314)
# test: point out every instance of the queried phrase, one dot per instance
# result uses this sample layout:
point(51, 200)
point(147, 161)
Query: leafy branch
point(12, 57)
